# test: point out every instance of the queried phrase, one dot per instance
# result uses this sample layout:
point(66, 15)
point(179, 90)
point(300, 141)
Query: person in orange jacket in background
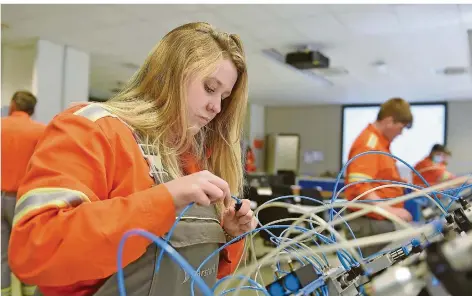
point(168, 139)
point(433, 168)
point(20, 134)
point(394, 115)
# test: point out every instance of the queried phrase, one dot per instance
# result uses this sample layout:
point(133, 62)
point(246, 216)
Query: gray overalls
point(196, 236)
point(8, 209)
point(8, 285)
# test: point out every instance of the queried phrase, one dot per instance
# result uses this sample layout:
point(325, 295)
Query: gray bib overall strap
point(8, 210)
point(196, 236)
point(10, 284)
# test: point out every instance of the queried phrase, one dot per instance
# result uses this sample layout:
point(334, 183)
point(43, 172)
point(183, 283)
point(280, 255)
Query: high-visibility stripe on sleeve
point(46, 197)
point(28, 290)
point(93, 112)
point(372, 141)
point(6, 291)
point(355, 177)
point(445, 176)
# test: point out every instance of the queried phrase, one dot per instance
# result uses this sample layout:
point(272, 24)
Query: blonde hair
point(154, 102)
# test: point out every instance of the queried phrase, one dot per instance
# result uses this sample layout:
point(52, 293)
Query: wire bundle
point(295, 248)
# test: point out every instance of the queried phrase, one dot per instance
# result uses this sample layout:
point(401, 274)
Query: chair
point(282, 190)
point(313, 193)
point(287, 176)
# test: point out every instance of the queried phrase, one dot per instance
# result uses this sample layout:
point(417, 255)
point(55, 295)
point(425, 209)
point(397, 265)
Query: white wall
point(320, 130)
point(17, 69)
point(257, 131)
point(459, 138)
point(57, 74)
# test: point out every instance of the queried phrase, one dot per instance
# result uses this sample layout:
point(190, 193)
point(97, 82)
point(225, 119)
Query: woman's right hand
point(203, 188)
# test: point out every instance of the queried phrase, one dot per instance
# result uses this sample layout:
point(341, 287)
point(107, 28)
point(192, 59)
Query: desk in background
point(326, 186)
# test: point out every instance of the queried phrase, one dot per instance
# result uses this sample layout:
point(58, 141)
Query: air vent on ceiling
point(454, 71)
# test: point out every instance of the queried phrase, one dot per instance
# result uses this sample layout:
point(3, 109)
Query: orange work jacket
point(20, 134)
point(87, 184)
point(372, 166)
point(432, 172)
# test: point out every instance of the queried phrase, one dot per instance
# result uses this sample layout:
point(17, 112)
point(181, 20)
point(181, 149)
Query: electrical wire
point(394, 184)
point(341, 173)
point(169, 235)
point(252, 282)
point(399, 234)
point(332, 230)
point(176, 257)
point(410, 196)
point(295, 247)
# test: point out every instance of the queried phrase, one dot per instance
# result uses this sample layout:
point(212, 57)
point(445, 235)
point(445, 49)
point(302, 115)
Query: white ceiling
point(415, 41)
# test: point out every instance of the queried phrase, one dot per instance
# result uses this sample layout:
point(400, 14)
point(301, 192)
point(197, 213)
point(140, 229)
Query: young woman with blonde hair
point(170, 138)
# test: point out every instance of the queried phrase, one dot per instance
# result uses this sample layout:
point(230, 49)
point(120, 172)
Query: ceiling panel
point(414, 17)
point(414, 41)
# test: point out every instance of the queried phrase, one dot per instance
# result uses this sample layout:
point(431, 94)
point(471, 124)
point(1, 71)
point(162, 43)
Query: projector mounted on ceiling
point(307, 60)
point(302, 62)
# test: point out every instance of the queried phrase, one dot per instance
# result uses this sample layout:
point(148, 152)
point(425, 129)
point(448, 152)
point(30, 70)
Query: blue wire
point(169, 234)
point(244, 288)
point(306, 258)
point(341, 173)
point(231, 242)
point(169, 250)
point(342, 254)
point(171, 231)
point(392, 182)
point(313, 200)
point(324, 255)
point(255, 284)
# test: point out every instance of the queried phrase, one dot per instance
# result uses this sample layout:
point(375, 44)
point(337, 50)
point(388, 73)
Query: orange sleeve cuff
point(163, 207)
point(229, 258)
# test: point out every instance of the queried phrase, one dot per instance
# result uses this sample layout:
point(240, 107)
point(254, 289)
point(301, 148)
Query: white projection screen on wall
point(429, 127)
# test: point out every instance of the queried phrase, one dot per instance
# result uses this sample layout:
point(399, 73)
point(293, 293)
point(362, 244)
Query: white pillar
point(48, 79)
point(60, 77)
point(76, 73)
point(57, 74)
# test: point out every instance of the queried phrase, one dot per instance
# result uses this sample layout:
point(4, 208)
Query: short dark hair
point(398, 109)
point(440, 148)
point(24, 101)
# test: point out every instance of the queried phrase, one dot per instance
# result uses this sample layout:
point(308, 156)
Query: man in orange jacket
point(393, 117)
point(433, 167)
point(19, 137)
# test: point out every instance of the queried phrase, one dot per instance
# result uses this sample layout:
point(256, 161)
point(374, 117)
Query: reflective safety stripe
point(355, 177)
point(28, 290)
point(94, 112)
point(372, 142)
point(6, 291)
point(43, 197)
point(445, 176)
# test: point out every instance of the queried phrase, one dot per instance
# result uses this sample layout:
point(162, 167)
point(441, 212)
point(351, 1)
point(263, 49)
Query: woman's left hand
point(240, 222)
